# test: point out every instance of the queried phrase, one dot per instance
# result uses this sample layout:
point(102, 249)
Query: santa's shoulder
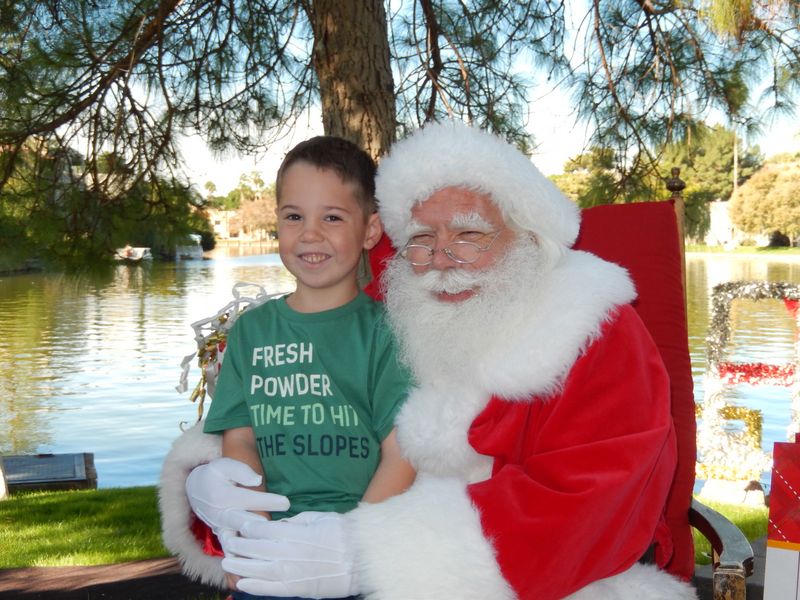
point(566, 314)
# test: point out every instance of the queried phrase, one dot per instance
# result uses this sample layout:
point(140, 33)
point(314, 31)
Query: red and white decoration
point(782, 577)
point(730, 453)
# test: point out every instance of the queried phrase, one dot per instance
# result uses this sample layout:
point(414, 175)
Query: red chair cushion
point(643, 238)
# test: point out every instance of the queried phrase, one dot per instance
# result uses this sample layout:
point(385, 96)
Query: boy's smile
point(314, 258)
point(322, 231)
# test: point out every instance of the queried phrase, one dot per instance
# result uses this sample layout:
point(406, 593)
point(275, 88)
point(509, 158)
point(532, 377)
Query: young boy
point(310, 385)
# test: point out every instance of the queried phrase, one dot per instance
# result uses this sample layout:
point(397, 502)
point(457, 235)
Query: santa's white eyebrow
point(470, 220)
point(414, 228)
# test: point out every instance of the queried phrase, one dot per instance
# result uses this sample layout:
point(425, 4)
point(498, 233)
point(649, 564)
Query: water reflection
point(743, 419)
point(91, 364)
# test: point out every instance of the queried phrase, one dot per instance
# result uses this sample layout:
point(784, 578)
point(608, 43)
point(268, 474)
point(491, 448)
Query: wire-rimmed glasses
point(460, 251)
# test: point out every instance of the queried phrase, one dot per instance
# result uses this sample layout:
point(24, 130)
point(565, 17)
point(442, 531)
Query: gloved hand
point(306, 555)
point(216, 498)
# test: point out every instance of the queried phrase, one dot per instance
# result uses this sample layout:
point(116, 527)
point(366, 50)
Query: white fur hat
point(452, 153)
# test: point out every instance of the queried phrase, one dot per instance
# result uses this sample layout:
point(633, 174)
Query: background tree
point(161, 224)
point(769, 202)
point(257, 204)
point(129, 77)
point(590, 179)
point(706, 163)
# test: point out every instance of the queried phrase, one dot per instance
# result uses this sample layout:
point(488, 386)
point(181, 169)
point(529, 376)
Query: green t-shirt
point(320, 390)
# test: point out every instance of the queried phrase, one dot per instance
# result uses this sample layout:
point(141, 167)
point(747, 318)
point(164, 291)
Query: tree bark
point(351, 59)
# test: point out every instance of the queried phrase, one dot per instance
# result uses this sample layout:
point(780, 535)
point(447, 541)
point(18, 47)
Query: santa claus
point(540, 425)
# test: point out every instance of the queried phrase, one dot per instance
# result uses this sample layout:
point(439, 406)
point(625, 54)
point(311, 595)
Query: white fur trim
point(425, 544)
point(432, 430)
point(566, 316)
point(637, 583)
point(452, 153)
point(525, 360)
point(191, 449)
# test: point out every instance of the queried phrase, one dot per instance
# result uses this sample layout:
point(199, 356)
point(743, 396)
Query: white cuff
point(638, 582)
point(425, 544)
point(191, 449)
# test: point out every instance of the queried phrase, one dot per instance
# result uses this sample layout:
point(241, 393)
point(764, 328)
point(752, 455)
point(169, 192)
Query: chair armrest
point(731, 548)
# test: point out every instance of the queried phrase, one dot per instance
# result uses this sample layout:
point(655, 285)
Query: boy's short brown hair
point(350, 162)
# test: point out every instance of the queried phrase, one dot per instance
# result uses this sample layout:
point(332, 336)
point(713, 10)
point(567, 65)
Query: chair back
point(643, 238)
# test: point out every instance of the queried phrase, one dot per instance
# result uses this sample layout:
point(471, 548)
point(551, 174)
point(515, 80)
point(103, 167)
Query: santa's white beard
point(450, 341)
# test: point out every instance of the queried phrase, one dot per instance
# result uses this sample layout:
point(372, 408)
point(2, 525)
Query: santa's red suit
point(538, 496)
point(544, 473)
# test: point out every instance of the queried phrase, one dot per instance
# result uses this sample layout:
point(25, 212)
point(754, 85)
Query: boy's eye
point(292, 217)
point(332, 218)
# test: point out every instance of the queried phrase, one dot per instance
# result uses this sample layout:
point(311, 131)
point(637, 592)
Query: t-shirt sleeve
point(390, 381)
point(228, 408)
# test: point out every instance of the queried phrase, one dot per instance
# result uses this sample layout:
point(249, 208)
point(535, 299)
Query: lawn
point(107, 526)
point(85, 527)
point(752, 521)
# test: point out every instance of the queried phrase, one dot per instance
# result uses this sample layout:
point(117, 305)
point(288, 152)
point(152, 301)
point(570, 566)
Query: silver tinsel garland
point(721, 298)
point(726, 452)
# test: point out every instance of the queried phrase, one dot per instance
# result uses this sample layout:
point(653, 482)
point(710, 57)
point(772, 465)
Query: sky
point(553, 126)
point(202, 166)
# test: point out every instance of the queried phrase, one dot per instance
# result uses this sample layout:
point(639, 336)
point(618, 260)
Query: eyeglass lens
point(460, 252)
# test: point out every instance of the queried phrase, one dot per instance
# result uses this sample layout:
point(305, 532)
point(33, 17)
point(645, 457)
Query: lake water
point(761, 331)
point(90, 365)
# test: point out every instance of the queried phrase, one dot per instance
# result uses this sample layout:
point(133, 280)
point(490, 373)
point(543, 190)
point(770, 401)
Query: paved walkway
point(161, 579)
point(142, 580)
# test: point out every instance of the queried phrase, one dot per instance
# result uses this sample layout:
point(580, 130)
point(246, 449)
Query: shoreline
point(767, 256)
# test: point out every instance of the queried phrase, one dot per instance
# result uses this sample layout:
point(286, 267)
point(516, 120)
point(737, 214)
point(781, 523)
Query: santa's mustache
point(450, 281)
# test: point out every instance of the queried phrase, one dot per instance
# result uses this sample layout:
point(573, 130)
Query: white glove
point(216, 498)
point(306, 555)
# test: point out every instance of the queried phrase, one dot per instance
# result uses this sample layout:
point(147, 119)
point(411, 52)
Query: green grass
point(85, 527)
point(108, 526)
point(752, 521)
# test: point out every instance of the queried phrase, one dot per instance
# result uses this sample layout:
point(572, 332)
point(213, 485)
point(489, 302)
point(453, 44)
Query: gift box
point(782, 576)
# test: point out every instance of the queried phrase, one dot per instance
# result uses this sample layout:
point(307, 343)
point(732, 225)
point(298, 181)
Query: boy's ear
point(374, 231)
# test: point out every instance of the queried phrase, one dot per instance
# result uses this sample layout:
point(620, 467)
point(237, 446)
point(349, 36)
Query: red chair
point(644, 238)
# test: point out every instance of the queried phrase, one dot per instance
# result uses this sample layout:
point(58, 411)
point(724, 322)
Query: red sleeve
point(205, 537)
point(580, 490)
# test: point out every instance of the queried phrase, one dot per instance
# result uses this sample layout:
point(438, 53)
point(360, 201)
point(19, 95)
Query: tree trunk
point(351, 59)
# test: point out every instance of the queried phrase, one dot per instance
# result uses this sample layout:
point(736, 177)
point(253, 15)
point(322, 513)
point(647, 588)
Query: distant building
point(232, 225)
point(722, 232)
point(226, 223)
